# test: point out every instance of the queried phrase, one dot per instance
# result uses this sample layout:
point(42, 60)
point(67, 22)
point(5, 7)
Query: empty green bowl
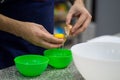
point(31, 65)
point(58, 58)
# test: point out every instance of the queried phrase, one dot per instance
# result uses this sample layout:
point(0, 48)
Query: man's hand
point(38, 35)
point(84, 18)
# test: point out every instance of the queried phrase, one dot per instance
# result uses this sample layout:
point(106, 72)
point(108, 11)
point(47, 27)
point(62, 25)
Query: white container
point(98, 60)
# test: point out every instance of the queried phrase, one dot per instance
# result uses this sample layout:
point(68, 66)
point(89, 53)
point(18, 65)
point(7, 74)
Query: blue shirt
point(38, 11)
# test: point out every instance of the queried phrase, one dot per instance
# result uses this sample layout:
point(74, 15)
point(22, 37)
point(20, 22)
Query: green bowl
point(31, 65)
point(59, 58)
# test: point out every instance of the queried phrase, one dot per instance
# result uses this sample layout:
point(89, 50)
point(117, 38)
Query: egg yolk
point(60, 36)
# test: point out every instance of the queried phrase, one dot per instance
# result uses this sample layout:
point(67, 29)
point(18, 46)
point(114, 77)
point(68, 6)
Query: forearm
point(9, 25)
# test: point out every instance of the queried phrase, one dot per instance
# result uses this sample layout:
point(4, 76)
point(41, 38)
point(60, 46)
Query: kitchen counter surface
point(69, 73)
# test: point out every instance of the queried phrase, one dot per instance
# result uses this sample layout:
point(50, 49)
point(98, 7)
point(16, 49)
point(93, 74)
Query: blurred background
point(105, 19)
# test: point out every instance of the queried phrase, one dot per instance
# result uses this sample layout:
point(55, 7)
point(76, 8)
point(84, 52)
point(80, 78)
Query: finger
point(69, 17)
point(50, 45)
point(79, 22)
point(51, 39)
point(83, 27)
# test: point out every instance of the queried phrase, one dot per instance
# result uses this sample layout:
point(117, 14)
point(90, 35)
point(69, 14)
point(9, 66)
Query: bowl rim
point(69, 55)
point(18, 57)
point(89, 58)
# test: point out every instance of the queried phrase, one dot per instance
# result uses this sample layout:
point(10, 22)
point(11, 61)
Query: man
point(26, 26)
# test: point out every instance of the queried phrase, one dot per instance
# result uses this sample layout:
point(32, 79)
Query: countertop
point(69, 73)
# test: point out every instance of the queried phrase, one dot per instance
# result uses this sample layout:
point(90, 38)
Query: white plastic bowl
point(98, 60)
